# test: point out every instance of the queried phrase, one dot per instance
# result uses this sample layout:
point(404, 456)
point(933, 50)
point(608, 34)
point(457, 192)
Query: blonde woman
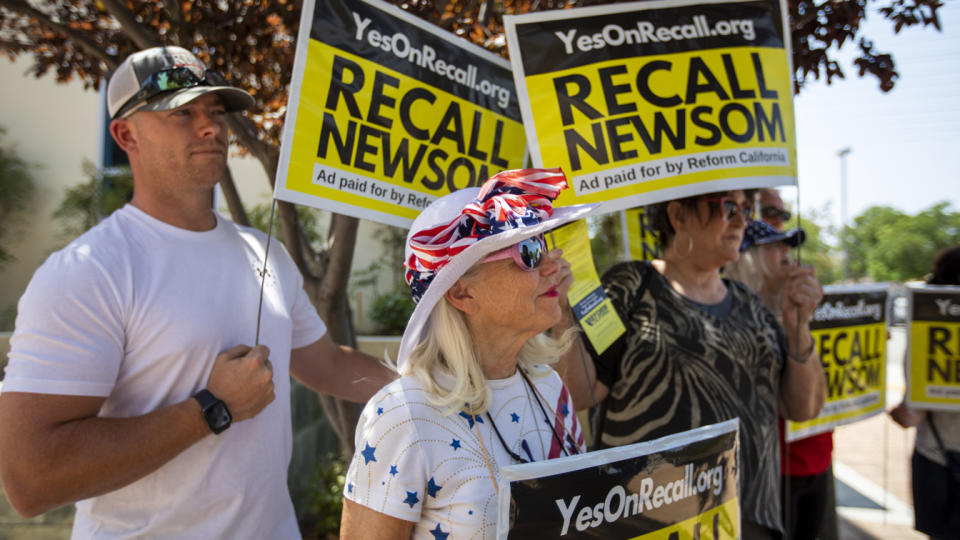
point(765, 263)
point(476, 390)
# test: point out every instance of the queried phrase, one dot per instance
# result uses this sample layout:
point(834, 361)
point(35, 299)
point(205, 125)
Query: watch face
point(219, 416)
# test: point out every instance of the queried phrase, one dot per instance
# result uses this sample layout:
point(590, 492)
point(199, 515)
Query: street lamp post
point(842, 154)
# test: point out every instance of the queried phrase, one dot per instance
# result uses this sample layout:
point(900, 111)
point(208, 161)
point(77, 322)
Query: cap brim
point(234, 99)
point(465, 260)
point(795, 237)
point(792, 238)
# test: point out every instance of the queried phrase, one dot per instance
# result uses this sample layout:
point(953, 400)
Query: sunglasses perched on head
point(167, 80)
point(772, 212)
point(526, 253)
point(730, 208)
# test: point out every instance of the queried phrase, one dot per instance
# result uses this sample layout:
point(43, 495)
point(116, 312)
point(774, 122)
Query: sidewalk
point(872, 466)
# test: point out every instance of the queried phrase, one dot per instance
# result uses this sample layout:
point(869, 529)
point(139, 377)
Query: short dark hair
point(660, 221)
point(946, 267)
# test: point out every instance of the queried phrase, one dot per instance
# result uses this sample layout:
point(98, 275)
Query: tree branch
point(291, 226)
point(90, 47)
point(135, 30)
point(173, 11)
point(343, 236)
point(232, 197)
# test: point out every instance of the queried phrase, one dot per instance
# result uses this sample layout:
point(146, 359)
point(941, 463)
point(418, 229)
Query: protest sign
point(590, 305)
point(684, 485)
point(388, 112)
point(648, 101)
point(643, 238)
point(849, 330)
point(933, 347)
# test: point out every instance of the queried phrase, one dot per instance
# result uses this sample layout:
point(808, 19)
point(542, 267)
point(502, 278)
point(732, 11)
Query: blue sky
point(905, 143)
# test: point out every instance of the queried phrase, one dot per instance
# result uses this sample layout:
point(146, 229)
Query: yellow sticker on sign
point(590, 305)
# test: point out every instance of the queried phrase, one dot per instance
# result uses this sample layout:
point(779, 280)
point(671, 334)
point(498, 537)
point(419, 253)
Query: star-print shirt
point(414, 463)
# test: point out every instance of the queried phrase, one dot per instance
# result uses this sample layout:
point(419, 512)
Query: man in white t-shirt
point(132, 388)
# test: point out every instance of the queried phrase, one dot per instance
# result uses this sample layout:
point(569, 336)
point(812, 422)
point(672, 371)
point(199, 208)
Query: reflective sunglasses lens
point(174, 79)
point(730, 209)
point(530, 251)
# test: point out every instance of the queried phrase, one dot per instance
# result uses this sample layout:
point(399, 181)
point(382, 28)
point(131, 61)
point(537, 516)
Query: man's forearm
point(46, 463)
point(340, 371)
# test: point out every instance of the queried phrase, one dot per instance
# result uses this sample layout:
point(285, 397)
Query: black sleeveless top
point(679, 367)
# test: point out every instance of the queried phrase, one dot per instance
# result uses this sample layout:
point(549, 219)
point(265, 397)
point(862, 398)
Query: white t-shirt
point(136, 311)
point(414, 463)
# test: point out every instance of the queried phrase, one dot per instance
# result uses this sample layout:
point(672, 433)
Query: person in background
point(772, 209)
point(476, 390)
point(764, 266)
point(936, 452)
point(807, 464)
point(132, 388)
point(700, 349)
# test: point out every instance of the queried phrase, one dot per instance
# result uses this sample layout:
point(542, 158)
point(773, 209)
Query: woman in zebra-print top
point(700, 350)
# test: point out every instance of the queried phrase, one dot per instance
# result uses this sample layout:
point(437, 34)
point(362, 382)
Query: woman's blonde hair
point(448, 347)
point(750, 269)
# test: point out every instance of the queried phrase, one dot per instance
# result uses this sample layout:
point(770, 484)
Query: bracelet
point(804, 358)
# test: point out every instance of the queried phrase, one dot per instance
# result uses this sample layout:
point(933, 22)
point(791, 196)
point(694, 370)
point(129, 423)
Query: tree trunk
point(325, 275)
point(329, 295)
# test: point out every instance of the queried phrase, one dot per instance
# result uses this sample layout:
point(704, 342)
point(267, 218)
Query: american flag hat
point(459, 229)
point(759, 233)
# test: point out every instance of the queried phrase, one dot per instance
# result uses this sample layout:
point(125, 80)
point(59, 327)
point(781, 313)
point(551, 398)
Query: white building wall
point(57, 127)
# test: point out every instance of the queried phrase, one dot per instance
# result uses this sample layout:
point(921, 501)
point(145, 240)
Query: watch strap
point(205, 398)
point(209, 404)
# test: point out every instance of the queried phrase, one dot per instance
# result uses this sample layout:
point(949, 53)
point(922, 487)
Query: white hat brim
point(449, 274)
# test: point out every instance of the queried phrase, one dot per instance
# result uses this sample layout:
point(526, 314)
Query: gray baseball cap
point(164, 78)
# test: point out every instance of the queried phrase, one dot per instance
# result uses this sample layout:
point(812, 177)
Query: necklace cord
point(539, 399)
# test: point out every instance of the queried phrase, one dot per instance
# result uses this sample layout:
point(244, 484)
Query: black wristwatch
point(214, 411)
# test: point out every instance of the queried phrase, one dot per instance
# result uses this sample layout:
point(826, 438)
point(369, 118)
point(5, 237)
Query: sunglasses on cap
point(772, 212)
point(730, 208)
point(167, 80)
point(526, 253)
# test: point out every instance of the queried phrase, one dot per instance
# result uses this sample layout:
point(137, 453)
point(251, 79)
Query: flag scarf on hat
point(508, 200)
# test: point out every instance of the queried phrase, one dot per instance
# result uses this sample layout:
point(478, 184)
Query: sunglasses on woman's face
point(730, 208)
point(772, 212)
point(526, 253)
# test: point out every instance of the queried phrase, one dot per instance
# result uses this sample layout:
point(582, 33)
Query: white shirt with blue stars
point(414, 463)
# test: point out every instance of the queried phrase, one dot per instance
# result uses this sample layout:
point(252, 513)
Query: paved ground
point(872, 466)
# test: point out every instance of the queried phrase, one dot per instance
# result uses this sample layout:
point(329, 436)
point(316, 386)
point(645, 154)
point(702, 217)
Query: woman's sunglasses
point(167, 80)
point(772, 212)
point(730, 208)
point(526, 253)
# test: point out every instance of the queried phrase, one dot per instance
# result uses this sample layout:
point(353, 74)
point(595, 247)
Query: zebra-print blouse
point(679, 367)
